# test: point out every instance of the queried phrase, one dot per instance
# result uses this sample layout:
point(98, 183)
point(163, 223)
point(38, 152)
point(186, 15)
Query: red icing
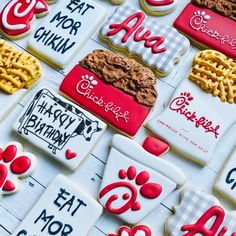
point(20, 165)
point(155, 146)
point(180, 105)
point(70, 155)
point(133, 231)
point(8, 186)
point(218, 214)
point(147, 190)
point(218, 32)
point(150, 42)
point(114, 106)
point(9, 153)
point(160, 2)
point(17, 25)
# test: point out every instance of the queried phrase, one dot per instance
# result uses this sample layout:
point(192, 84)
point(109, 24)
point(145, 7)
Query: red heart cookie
point(139, 230)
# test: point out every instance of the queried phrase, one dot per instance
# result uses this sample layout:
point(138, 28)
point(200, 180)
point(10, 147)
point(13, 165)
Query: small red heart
point(9, 186)
point(70, 155)
point(133, 231)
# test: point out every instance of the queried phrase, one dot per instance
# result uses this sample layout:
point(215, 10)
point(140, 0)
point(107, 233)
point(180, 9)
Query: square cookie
point(63, 209)
point(60, 128)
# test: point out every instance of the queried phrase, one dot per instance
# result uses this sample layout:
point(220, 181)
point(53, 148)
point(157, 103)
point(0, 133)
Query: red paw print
point(14, 164)
point(140, 181)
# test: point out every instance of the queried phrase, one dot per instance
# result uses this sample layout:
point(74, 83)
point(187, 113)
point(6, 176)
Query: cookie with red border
point(118, 90)
point(210, 24)
point(141, 230)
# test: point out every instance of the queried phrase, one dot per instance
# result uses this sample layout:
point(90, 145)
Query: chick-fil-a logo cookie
point(86, 87)
point(180, 105)
point(199, 22)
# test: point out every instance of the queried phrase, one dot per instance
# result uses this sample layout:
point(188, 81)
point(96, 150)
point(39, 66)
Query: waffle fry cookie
point(216, 74)
point(18, 69)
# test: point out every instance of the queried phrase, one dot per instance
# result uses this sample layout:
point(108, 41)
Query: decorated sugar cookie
point(14, 165)
point(63, 209)
point(65, 30)
point(18, 69)
point(202, 108)
point(157, 46)
point(139, 230)
point(63, 130)
point(158, 7)
point(226, 180)
point(135, 181)
point(17, 15)
point(119, 90)
point(200, 214)
point(210, 24)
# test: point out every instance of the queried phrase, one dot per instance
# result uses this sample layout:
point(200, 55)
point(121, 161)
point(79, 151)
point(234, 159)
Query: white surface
point(64, 208)
point(14, 208)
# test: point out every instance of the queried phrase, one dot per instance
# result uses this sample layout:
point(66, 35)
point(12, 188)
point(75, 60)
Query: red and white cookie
point(17, 15)
point(208, 29)
point(200, 214)
point(139, 230)
point(14, 164)
point(158, 7)
point(135, 181)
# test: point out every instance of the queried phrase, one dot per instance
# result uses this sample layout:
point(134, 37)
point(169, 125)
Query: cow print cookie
point(17, 15)
point(118, 90)
point(139, 230)
point(63, 130)
point(135, 181)
point(65, 30)
point(158, 46)
point(14, 164)
point(158, 7)
point(64, 209)
point(200, 214)
point(226, 181)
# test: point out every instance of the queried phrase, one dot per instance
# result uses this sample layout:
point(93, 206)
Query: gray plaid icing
point(193, 205)
point(176, 43)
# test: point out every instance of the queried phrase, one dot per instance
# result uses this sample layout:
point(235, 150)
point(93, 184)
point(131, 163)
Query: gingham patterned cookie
point(200, 214)
point(157, 46)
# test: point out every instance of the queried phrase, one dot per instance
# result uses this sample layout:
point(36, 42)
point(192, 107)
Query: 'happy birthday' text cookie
point(158, 46)
point(60, 128)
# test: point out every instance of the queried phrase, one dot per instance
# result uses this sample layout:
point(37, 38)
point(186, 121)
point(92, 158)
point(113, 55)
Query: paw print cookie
point(210, 24)
point(17, 15)
point(158, 7)
point(118, 90)
point(200, 214)
point(14, 165)
point(139, 230)
point(135, 181)
point(157, 46)
point(202, 108)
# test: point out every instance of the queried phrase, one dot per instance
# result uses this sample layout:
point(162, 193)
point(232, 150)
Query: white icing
point(160, 8)
point(226, 181)
point(5, 18)
point(39, 6)
point(26, 11)
point(14, 178)
point(194, 143)
point(78, 27)
point(124, 233)
point(74, 131)
point(135, 156)
point(140, 233)
point(82, 220)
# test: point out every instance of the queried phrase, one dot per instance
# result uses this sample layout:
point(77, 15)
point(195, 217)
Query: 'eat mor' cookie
point(210, 24)
point(135, 181)
point(119, 90)
point(60, 128)
point(65, 30)
point(202, 108)
point(158, 46)
point(200, 214)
